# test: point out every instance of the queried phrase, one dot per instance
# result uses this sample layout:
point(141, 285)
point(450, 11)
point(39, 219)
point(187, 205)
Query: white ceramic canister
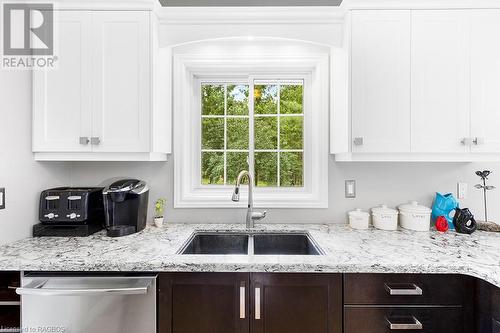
point(359, 219)
point(415, 217)
point(385, 218)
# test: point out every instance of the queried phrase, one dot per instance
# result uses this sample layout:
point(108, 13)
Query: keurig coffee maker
point(125, 207)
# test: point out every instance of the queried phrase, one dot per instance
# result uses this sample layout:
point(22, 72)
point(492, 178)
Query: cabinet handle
point(412, 290)
point(257, 303)
point(413, 324)
point(95, 140)
point(84, 140)
point(478, 141)
point(358, 141)
point(467, 141)
point(242, 300)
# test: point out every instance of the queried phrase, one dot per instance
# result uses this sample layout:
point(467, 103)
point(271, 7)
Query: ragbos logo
point(28, 35)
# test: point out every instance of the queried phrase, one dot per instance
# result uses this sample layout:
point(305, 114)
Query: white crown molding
point(250, 15)
point(420, 4)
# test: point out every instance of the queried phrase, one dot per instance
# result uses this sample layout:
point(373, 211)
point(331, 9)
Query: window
point(263, 112)
point(263, 132)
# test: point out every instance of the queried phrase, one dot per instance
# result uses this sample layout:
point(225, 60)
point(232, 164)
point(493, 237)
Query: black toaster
point(70, 211)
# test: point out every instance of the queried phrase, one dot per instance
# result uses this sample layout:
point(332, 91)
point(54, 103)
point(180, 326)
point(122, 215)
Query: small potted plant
point(159, 209)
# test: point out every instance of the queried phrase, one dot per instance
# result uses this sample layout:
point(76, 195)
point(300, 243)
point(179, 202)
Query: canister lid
point(383, 209)
point(414, 207)
point(358, 213)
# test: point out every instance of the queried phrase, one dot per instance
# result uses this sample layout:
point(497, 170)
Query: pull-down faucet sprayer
point(251, 215)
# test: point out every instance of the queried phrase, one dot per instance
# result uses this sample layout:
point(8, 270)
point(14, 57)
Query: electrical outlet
point(350, 188)
point(2, 198)
point(462, 189)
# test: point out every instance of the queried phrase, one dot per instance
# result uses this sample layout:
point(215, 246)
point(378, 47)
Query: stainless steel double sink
point(251, 243)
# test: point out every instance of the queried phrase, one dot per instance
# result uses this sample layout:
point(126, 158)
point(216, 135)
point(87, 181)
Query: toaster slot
point(74, 202)
point(52, 202)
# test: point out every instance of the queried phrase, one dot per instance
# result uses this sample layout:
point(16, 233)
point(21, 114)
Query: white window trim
point(188, 69)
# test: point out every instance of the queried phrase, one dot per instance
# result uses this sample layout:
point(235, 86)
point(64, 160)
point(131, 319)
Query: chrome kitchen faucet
point(251, 215)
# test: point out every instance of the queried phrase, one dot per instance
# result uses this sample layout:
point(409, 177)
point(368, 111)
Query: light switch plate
point(2, 198)
point(350, 188)
point(462, 189)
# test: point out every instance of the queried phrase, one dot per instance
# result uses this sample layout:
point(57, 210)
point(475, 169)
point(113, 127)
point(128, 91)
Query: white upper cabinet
point(121, 98)
point(439, 81)
point(380, 72)
point(97, 104)
point(485, 81)
point(425, 85)
point(61, 103)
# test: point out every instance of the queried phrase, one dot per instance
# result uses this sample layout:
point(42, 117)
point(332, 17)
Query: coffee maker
point(125, 206)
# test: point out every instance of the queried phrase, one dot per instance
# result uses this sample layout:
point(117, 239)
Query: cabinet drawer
point(406, 289)
point(379, 319)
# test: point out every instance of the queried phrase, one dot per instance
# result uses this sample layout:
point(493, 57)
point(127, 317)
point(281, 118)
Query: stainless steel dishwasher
point(88, 304)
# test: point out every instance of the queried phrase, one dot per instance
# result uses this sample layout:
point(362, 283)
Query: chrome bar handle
point(414, 325)
point(414, 290)
point(467, 141)
point(478, 141)
point(37, 287)
point(257, 303)
point(84, 140)
point(242, 300)
point(95, 140)
point(359, 141)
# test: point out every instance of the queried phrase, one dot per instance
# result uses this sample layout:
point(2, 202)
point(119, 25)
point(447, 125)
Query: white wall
point(389, 183)
point(22, 177)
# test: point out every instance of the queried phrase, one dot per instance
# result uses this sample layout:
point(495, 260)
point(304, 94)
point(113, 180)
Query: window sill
point(263, 198)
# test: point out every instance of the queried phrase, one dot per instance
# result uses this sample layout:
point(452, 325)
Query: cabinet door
point(203, 302)
point(485, 80)
point(381, 81)
point(296, 303)
point(121, 86)
point(439, 81)
point(61, 95)
point(10, 316)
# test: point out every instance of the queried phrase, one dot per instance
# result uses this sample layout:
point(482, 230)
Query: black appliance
point(70, 211)
point(125, 206)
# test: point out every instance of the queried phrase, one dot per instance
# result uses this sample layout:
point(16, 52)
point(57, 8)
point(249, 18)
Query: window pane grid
point(294, 129)
point(224, 116)
point(225, 134)
point(273, 115)
point(278, 173)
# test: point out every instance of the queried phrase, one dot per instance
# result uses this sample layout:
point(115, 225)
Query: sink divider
point(250, 245)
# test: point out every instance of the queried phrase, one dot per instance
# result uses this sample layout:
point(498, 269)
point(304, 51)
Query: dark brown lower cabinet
point(242, 302)
point(381, 303)
point(380, 319)
point(203, 303)
point(325, 303)
point(487, 307)
point(9, 302)
point(296, 303)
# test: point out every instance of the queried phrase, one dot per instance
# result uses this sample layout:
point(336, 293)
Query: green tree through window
point(276, 111)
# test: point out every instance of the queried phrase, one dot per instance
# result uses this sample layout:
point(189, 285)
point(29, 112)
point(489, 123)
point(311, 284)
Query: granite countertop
point(346, 250)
